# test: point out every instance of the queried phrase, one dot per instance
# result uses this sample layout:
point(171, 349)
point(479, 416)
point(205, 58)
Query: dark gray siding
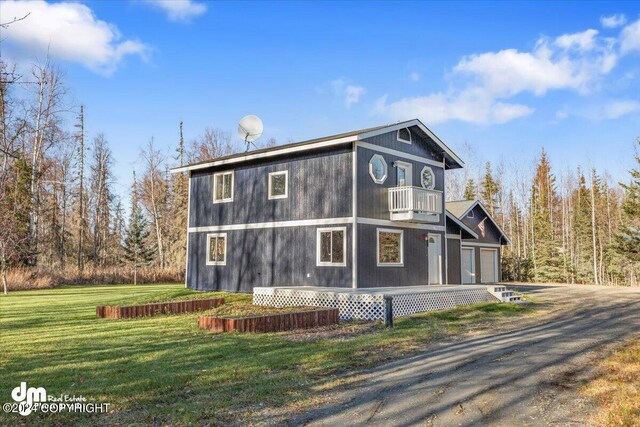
point(453, 228)
point(492, 234)
point(320, 186)
point(265, 257)
point(422, 146)
point(415, 270)
point(453, 261)
point(373, 198)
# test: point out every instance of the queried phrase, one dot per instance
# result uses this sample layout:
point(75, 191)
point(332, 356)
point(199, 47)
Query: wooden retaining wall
point(146, 310)
point(273, 322)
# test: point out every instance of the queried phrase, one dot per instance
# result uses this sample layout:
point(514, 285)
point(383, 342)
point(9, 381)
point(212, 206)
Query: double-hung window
point(331, 247)
point(217, 249)
point(223, 187)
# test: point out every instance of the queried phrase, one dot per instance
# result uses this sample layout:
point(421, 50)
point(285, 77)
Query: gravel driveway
point(527, 375)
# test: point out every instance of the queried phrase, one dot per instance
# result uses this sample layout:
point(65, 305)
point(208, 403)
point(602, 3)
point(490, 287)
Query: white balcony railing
point(415, 199)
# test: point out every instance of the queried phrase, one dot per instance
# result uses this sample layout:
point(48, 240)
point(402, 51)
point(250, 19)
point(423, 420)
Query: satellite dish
point(250, 129)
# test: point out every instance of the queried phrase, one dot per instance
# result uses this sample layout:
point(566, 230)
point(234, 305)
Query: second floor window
point(278, 185)
point(404, 172)
point(223, 187)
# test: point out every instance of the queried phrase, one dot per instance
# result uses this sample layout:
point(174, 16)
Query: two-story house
point(360, 209)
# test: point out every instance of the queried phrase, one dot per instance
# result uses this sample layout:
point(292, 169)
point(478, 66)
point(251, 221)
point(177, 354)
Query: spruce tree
point(470, 190)
point(546, 256)
point(490, 189)
point(627, 241)
point(136, 250)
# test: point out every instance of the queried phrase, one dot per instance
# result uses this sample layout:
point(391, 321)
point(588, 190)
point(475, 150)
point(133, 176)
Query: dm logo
point(29, 396)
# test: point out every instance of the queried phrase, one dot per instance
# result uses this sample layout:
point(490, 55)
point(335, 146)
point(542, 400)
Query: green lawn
point(164, 370)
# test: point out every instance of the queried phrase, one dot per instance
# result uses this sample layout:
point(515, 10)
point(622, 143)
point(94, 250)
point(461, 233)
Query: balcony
point(415, 204)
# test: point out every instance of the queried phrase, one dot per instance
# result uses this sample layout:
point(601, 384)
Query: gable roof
point(460, 208)
point(463, 227)
point(451, 159)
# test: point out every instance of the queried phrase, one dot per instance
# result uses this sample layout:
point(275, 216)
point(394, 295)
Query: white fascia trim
point(486, 212)
point(397, 153)
point(275, 152)
point(487, 245)
point(453, 236)
point(422, 127)
point(389, 223)
point(460, 224)
point(273, 224)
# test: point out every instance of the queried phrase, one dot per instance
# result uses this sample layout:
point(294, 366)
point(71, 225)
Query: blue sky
point(506, 78)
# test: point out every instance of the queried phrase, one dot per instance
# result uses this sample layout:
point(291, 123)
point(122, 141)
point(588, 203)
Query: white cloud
point(352, 95)
point(483, 84)
point(179, 10)
point(613, 21)
point(349, 93)
point(584, 41)
point(630, 38)
point(440, 107)
point(414, 76)
point(69, 31)
point(616, 109)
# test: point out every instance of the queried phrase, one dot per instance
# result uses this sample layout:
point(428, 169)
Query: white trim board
point(273, 224)
point(397, 153)
point(453, 236)
point(328, 143)
point(487, 245)
point(408, 124)
point(272, 153)
point(389, 223)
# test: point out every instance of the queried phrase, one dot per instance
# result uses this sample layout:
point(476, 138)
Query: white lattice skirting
point(370, 305)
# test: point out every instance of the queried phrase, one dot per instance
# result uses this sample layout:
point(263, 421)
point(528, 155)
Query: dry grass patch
point(617, 387)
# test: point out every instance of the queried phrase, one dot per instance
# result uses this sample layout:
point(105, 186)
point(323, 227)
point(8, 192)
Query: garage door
point(489, 265)
point(468, 265)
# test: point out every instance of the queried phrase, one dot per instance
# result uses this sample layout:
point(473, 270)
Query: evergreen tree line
point(59, 212)
point(61, 216)
point(579, 228)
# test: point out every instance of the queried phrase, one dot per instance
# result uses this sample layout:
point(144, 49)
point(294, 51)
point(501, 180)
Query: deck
point(369, 304)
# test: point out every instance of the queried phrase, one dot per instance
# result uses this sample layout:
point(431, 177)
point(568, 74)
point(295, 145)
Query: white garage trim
point(495, 265)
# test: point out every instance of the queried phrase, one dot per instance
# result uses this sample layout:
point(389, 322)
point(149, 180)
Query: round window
point(378, 169)
point(427, 178)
